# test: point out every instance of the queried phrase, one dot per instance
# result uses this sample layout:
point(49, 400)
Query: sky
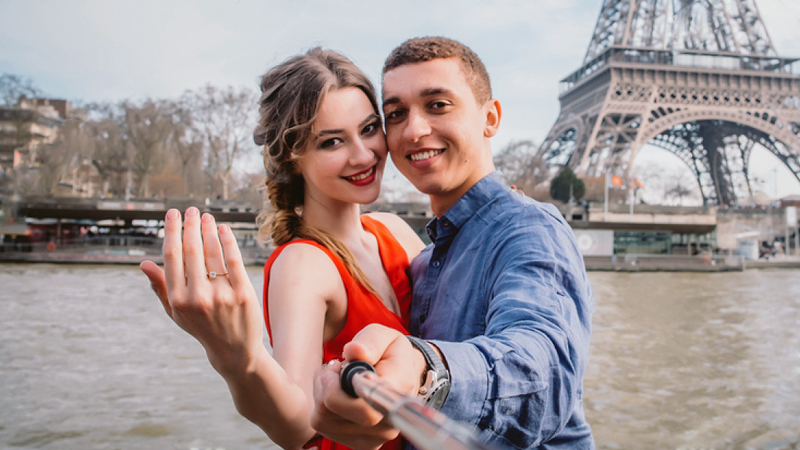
point(111, 50)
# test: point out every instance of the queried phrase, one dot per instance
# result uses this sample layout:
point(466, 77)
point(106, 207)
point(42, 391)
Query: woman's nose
point(360, 153)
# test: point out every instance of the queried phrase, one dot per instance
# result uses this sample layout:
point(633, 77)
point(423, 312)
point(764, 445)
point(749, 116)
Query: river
point(89, 360)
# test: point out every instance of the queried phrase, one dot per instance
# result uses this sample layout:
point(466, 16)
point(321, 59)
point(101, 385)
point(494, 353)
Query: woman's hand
point(353, 422)
point(222, 313)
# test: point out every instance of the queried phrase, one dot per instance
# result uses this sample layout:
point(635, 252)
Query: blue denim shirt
point(503, 293)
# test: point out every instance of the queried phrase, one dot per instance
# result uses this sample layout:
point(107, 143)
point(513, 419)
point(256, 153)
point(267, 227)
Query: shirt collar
point(484, 191)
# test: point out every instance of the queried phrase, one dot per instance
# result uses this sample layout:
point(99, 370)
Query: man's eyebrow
point(434, 91)
point(391, 101)
point(427, 92)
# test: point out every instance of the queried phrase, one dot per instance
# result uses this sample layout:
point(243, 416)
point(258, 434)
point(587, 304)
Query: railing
point(123, 243)
point(677, 263)
point(120, 245)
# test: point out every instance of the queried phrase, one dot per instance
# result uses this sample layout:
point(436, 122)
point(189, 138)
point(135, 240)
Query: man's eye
point(438, 105)
point(330, 143)
point(394, 115)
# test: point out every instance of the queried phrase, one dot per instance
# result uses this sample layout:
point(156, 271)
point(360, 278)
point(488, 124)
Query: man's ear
point(493, 114)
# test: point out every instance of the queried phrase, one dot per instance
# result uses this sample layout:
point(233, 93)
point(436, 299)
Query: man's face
point(436, 130)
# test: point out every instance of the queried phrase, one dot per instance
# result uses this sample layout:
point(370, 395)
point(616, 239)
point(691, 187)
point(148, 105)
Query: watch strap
point(437, 384)
point(434, 362)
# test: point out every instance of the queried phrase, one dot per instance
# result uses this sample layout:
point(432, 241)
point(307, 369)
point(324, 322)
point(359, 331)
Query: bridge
point(124, 212)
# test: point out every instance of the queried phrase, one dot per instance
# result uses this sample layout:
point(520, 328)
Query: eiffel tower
point(698, 78)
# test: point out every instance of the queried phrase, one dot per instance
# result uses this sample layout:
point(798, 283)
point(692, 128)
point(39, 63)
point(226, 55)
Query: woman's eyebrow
point(372, 117)
point(369, 119)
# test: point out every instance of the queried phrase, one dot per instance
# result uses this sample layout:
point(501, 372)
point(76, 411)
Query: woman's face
point(346, 152)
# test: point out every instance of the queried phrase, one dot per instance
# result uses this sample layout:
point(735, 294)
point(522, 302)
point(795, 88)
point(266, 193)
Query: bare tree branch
point(224, 117)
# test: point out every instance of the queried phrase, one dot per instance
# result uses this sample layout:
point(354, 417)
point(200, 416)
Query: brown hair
point(423, 49)
point(291, 95)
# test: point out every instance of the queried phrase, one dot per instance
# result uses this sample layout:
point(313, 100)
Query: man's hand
point(353, 422)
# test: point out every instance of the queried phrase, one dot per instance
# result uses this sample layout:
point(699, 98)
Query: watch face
point(438, 394)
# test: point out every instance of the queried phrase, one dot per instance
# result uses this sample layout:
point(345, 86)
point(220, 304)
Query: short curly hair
point(423, 49)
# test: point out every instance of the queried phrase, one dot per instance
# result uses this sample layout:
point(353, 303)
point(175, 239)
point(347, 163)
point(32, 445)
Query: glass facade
point(642, 243)
point(661, 242)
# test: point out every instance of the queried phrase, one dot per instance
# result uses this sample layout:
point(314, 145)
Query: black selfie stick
point(425, 427)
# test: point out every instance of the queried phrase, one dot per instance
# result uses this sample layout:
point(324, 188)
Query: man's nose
point(417, 127)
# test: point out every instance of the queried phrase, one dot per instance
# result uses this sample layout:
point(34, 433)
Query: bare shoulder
point(305, 267)
point(401, 231)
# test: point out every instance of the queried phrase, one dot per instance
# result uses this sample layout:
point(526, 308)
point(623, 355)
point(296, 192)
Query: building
point(28, 124)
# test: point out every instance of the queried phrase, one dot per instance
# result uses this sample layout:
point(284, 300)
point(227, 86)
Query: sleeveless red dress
point(363, 308)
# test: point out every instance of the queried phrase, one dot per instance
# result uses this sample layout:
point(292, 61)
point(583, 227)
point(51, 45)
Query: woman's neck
point(341, 220)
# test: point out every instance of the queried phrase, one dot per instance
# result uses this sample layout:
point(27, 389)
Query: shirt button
point(436, 264)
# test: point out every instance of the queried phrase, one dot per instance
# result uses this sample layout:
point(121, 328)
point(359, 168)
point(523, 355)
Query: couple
point(501, 297)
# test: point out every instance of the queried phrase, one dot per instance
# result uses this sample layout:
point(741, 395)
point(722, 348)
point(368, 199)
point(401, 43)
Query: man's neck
point(441, 203)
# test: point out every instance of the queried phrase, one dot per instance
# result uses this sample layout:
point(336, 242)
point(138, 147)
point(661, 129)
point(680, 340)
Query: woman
point(334, 270)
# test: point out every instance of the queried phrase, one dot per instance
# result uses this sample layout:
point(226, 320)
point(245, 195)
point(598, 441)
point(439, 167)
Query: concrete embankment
point(678, 263)
point(104, 255)
point(619, 263)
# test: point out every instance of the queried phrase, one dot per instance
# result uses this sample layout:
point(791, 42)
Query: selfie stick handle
point(425, 427)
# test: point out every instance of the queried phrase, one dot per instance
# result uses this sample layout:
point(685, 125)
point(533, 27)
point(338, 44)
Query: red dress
point(363, 308)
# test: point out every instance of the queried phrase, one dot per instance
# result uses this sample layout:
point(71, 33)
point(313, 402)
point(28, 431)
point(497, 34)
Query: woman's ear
point(493, 114)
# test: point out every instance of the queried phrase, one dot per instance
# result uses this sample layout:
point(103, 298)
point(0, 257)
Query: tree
point(12, 87)
point(520, 166)
point(561, 184)
point(667, 184)
point(55, 161)
point(223, 118)
point(679, 185)
point(186, 145)
point(147, 127)
point(109, 154)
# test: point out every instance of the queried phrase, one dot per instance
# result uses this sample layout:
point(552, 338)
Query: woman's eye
point(369, 129)
point(330, 143)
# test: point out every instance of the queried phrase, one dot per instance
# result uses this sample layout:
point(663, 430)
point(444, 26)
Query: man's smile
point(426, 154)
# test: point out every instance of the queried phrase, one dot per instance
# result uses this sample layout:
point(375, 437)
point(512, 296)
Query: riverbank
point(618, 263)
point(100, 257)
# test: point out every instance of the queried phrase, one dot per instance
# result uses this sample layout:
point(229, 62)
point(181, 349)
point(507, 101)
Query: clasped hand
point(351, 421)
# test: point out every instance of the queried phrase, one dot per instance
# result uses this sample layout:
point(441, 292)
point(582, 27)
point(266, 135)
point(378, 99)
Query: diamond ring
point(212, 275)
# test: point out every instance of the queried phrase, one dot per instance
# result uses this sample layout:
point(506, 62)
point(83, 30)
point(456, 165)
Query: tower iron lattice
point(698, 78)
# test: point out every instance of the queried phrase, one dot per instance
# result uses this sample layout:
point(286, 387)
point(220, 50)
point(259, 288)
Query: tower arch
point(657, 74)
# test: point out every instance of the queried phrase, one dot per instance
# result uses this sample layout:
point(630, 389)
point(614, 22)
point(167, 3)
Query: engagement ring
point(212, 275)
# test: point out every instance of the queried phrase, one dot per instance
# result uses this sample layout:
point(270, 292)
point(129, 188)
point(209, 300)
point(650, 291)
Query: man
point(501, 296)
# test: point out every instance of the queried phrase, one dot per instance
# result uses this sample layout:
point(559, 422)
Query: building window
point(642, 243)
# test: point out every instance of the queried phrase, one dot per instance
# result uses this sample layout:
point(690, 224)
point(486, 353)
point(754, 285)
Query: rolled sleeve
point(469, 365)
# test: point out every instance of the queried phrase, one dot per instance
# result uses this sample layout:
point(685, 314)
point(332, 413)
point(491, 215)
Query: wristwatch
point(436, 386)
